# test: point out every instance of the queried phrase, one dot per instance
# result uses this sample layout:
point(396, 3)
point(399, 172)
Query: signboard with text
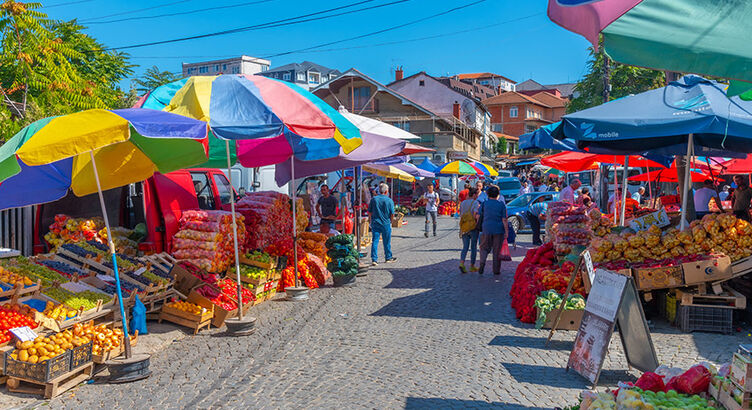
point(456, 155)
point(658, 218)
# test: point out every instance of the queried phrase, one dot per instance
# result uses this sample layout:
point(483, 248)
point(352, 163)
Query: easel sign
point(613, 299)
point(583, 259)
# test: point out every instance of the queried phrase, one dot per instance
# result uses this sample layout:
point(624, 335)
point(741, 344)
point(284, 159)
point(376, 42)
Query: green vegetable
point(550, 300)
point(342, 239)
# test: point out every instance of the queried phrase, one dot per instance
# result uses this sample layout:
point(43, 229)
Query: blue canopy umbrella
point(428, 166)
point(542, 139)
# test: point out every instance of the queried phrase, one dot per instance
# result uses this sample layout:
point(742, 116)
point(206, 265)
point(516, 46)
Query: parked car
point(505, 173)
point(518, 207)
point(509, 187)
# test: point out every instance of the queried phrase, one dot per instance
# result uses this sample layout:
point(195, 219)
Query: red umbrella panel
point(667, 175)
point(738, 166)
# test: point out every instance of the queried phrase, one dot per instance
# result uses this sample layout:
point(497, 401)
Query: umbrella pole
point(356, 202)
point(624, 190)
point(616, 189)
point(359, 179)
point(294, 220)
point(234, 232)
point(685, 188)
point(650, 187)
point(126, 338)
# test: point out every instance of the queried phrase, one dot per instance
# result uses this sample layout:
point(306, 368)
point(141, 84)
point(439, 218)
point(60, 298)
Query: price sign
point(106, 278)
point(643, 223)
point(139, 271)
point(589, 266)
point(24, 334)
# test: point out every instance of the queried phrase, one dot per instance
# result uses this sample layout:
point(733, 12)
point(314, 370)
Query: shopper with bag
point(469, 229)
point(492, 218)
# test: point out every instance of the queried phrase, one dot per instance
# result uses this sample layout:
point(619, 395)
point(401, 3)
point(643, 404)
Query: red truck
point(158, 202)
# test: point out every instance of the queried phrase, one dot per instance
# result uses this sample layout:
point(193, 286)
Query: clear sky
point(513, 38)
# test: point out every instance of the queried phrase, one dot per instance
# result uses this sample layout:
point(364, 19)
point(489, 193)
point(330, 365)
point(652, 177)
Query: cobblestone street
point(413, 334)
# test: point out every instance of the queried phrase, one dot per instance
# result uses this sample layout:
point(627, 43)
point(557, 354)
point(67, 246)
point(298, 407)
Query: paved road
point(413, 334)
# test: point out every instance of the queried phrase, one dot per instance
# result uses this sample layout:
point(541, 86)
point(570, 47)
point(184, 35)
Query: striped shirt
point(539, 208)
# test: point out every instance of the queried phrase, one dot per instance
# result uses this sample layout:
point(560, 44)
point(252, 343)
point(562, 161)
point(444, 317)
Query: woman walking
point(492, 218)
point(469, 229)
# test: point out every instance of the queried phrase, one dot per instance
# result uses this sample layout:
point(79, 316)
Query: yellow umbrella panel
point(388, 171)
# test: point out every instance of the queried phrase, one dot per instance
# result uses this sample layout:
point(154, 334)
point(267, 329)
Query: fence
point(16, 229)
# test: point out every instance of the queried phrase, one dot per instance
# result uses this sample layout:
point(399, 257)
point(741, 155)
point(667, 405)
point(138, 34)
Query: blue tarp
point(542, 139)
point(526, 163)
point(659, 121)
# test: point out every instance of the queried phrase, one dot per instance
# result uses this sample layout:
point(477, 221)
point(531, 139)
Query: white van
point(255, 179)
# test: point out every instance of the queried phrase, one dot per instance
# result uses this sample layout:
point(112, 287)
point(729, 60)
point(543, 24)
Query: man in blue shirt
point(535, 214)
point(492, 218)
point(381, 209)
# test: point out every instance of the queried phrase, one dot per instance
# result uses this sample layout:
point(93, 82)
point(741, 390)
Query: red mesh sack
point(650, 381)
point(693, 381)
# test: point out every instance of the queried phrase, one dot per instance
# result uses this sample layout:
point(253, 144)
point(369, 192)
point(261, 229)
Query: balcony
point(363, 105)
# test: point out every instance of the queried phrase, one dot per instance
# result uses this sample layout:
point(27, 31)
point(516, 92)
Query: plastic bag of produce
point(694, 381)
point(138, 318)
point(650, 381)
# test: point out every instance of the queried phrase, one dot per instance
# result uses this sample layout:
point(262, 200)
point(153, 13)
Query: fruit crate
point(37, 372)
point(81, 355)
point(705, 319)
point(111, 354)
point(187, 319)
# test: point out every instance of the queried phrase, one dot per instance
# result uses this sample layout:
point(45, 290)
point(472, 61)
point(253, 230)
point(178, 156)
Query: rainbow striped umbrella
point(268, 120)
point(487, 170)
point(459, 168)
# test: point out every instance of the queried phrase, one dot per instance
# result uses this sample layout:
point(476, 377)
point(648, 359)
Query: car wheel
point(516, 223)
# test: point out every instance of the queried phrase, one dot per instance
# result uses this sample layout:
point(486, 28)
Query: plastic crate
point(705, 319)
point(39, 372)
point(671, 307)
point(81, 355)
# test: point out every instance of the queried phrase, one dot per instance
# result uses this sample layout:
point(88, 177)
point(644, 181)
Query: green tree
point(153, 78)
point(501, 146)
point(49, 67)
point(624, 80)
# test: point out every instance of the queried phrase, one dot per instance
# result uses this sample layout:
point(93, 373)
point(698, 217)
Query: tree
point(501, 146)
point(624, 80)
point(153, 78)
point(50, 67)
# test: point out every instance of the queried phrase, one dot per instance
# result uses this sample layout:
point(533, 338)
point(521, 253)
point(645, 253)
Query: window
point(204, 192)
point(203, 69)
point(497, 128)
point(189, 71)
point(216, 67)
point(224, 67)
point(528, 113)
point(484, 82)
point(530, 128)
point(314, 78)
point(301, 77)
point(223, 187)
point(264, 67)
point(426, 138)
point(422, 83)
point(236, 70)
point(360, 96)
point(513, 111)
point(403, 125)
point(332, 76)
point(286, 76)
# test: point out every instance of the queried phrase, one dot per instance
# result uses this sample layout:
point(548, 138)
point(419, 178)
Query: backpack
point(467, 221)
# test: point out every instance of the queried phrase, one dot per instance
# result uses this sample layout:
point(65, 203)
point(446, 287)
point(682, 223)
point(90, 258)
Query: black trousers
point(535, 225)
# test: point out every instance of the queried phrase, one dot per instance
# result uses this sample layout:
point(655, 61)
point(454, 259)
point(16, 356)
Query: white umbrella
point(377, 127)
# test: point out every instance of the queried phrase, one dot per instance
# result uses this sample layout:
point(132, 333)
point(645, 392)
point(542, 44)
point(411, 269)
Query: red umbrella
point(414, 149)
point(738, 166)
point(667, 175)
point(580, 161)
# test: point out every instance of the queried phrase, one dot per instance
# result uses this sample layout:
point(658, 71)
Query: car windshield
point(507, 185)
point(521, 200)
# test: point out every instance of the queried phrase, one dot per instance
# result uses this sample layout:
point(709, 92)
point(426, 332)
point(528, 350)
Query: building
point(306, 74)
point(454, 100)
point(513, 143)
point(491, 80)
point(236, 65)
point(514, 113)
point(564, 90)
point(438, 129)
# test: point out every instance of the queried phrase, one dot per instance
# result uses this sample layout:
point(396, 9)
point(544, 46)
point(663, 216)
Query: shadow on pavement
point(560, 377)
point(439, 403)
point(531, 342)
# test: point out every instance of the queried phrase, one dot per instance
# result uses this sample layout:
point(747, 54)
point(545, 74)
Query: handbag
point(504, 254)
point(467, 221)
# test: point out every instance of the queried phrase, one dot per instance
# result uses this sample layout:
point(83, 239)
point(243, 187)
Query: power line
point(182, 13)
point(122, 13)
point(277, 23)
point(373, 33)
point(65, 4)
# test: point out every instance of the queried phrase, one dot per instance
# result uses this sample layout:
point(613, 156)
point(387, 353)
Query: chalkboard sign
point(613, 299)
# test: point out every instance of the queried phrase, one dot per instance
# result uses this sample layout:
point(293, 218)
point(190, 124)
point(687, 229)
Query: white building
point(235, 65)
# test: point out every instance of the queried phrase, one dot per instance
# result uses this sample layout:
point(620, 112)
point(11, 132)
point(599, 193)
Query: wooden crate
point(730, 299)
point(54, 387)
point(262, 265)
point(81, 262)
point(195, 322)
point(220, 314)
point(58, 325)
point(111, 354)
point(154, 296)
point(20, 290)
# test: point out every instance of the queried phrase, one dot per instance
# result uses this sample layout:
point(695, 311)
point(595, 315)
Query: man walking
point(492, 218)
point(327, 206)
point(432, 207)
point(381, 210)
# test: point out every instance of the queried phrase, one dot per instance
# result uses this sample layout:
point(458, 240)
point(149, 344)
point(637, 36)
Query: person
point(523, 188)
point(742, 198)
point(637, 196)
point(542, 187)
point(326, 206)
point(326, 229)
point(432, 207)
point(723, 196)
point(482, 196)
point(492, 217)
point(567, 194)
point(703, 196)
point(585, 198)
point(535, 214)
point(381, 209)
point(464, 193)
point(470, 238)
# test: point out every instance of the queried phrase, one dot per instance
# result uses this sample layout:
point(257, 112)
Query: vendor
point(567, 194)
point(703, 196)
point(637, 196)
point(741, 198)
point(326, 229)
point(327, 205)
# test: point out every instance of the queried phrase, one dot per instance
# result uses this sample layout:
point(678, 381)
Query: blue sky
point(489, 40)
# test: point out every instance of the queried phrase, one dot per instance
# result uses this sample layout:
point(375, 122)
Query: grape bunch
point(78, 250)
point(102, 247)
point(62, 268)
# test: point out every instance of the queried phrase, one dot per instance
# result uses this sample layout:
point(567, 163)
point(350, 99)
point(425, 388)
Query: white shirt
point(702, 199)
point(636, 196)
point(567, 194)
point(431, 199)
point(542, 188)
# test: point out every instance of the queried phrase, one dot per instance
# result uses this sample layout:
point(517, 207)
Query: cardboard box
point(570, 319)
point(184, 280)
point(397, 220)
point(588, 285)
point(741, 372)
point(710, 270)
point(658, 278)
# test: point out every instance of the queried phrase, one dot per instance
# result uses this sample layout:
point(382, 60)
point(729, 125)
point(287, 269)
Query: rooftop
point(227, 60)
point(475, 76)
point(304, 66)
point(513, 97)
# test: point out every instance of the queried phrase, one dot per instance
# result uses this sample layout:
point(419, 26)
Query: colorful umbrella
point(94, 150)
point(486, 169)
point(458, 168)
point(414, 171)
point(667, 175)
point(428, 165)
point(269, 120)
point(388, 171)
point(690, 36)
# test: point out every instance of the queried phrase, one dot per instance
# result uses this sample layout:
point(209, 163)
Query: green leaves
point(154, 78)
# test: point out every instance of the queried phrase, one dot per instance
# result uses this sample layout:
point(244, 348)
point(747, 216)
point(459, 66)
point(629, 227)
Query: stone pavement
point(413, 334)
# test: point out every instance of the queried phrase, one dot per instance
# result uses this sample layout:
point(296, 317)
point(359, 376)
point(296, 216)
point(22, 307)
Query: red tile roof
point(513, 97)
point(550, 99)
point(475, 76)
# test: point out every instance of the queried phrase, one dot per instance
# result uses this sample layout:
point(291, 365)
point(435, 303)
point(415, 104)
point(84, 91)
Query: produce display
point(81, 300)
point(600, 224)
point(199, 273)
point(568, 225)
point(313, 243)
point(259, 256)
point(268, 217)
point(13, 316)
point(104, 338)
point(342, 253)
point(448, 208)
point(45, 348)
point(62, 268)
point(188, 307)
point(284, 248)
point(723, 233)
point(206, 239)
point(23, 266)
point(13, 279)
point(251, 272)
point(59, 312)
point(71, 230)
point(225, 294)
point(550, 300)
